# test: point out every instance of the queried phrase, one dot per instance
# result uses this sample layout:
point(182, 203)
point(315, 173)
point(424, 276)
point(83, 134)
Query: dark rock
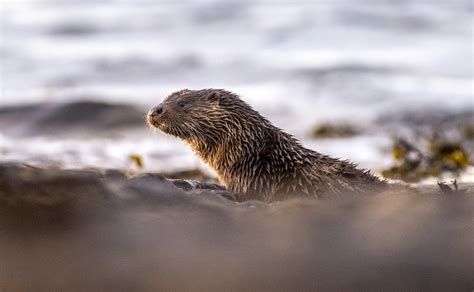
point(69, 118)
point(96, 230)
point(190, 174)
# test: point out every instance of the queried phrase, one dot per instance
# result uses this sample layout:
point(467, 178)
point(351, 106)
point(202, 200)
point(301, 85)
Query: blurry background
point(346, 77)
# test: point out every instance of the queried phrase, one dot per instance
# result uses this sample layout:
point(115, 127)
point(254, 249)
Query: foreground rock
point(83, 230)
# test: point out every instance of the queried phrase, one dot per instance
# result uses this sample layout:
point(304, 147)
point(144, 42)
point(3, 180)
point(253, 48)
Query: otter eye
point(181, 104)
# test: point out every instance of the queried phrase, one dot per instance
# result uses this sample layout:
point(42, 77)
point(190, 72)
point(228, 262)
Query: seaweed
point(136, 160)
point(328, 130)
point(413, 164)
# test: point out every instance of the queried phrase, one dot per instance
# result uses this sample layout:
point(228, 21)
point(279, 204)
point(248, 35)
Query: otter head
point(220, 127)
point(196, 116)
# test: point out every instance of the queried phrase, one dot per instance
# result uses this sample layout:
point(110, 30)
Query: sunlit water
point(298, 63)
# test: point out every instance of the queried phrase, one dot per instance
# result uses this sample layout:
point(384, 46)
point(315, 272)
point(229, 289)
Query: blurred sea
point(298, 62)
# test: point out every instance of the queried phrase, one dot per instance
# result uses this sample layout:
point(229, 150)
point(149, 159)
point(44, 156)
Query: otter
point(252, 158)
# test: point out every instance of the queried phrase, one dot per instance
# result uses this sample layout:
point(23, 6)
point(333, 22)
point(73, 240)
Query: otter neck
point(237, 142)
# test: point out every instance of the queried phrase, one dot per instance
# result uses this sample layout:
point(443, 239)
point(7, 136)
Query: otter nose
point(156, 111)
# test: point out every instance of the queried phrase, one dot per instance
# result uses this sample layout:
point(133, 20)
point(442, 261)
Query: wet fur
point(253, 158)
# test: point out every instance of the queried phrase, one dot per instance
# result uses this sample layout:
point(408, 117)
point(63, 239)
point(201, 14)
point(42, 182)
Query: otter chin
point(252, 158)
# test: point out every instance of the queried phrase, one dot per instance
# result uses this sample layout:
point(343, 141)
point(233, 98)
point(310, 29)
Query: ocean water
point(298, 62)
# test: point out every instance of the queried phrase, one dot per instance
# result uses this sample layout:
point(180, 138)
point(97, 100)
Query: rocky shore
point(79, 230)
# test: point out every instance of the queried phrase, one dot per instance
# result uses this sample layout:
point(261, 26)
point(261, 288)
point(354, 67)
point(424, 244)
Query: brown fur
point(253, 158)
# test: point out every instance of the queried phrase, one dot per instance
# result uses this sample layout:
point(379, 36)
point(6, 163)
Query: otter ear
point(213, 96)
